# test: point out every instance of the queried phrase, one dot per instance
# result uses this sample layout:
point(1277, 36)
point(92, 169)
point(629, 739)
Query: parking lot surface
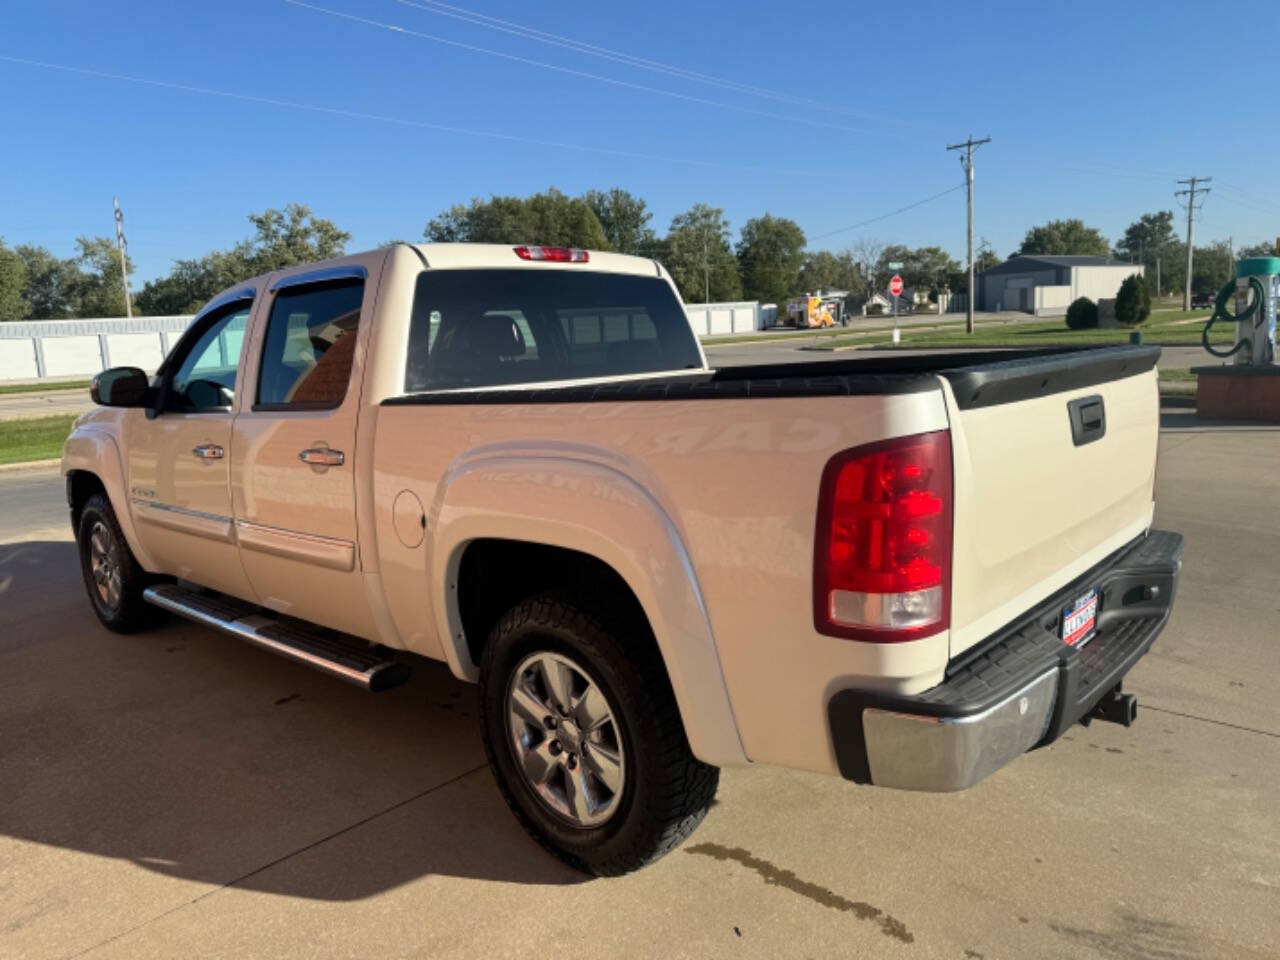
point(178, 794)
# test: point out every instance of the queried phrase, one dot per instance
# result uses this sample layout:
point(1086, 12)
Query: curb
point(29, 465)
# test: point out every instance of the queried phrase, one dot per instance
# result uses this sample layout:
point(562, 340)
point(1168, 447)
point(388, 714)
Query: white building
point(1045, 285)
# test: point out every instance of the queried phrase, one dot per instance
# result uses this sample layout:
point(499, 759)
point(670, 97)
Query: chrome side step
point(338, 654)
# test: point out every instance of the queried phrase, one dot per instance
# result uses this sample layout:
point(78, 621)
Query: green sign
point(895, 264)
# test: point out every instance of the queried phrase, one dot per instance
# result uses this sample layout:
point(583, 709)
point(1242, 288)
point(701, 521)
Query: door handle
point(322, 457)
point(208, 451)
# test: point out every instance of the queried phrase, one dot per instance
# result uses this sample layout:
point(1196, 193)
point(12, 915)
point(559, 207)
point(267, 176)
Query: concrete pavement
point(176, 793)
point(33, 504)
point(45, 403)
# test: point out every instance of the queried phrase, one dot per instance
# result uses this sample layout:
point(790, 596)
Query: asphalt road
point(177, 794)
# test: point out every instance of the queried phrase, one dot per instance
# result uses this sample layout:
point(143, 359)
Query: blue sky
point(1095, 110)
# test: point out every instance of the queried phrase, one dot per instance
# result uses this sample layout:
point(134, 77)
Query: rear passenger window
point(309, 346)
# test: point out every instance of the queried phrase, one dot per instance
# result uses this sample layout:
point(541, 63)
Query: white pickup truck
point(905, 571)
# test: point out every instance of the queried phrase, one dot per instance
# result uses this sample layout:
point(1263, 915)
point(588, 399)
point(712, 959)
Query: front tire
point(112, 576)
point(585, 740)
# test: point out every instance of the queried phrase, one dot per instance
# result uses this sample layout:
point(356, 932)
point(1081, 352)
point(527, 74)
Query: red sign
point(895, 285)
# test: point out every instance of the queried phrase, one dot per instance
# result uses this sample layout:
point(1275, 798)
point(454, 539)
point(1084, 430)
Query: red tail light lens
point(557, 254)
point(882, 562)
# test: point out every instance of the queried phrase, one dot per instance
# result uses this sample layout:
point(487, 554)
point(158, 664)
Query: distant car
point(1204, 299)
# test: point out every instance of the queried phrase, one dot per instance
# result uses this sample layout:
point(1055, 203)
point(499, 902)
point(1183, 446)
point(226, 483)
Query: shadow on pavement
point(199, 757)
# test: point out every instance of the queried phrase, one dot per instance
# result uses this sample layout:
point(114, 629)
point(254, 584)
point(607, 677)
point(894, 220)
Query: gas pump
point(1256, 290)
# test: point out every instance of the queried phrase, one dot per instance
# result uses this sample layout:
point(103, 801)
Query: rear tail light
point(558, 254)
point(882, 560)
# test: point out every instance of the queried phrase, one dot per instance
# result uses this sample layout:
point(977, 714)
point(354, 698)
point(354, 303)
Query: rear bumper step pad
point(349, 658)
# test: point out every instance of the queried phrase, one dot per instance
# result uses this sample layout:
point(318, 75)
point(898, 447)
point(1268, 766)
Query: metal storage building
point(1045, 285)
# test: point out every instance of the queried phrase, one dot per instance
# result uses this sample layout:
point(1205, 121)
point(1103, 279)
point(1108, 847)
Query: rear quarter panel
point(731, 484)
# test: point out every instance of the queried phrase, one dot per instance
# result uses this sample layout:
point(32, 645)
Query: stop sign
point(895, 285)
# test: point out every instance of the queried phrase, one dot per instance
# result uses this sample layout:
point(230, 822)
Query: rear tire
point(611, 733)
point(112, 576)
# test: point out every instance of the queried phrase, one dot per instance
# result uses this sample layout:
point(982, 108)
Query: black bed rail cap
point(1024, 378)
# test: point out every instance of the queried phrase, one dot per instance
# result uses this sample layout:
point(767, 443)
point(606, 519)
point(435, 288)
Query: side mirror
point(120, 387)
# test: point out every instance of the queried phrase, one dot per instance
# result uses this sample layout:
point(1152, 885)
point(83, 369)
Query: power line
point(1190, 194)
point(966, 161)
point(617, 56)
point(398, 121)
point(891, 213)
point(569, 71)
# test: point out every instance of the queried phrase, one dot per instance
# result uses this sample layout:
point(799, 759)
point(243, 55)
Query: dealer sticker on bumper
point(1079, 619)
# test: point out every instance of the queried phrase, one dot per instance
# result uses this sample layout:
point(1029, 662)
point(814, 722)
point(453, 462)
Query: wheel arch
point(91, 463)
point(579, 515)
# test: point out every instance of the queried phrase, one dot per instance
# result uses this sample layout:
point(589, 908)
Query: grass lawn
point(44, 387)
point(40, 438)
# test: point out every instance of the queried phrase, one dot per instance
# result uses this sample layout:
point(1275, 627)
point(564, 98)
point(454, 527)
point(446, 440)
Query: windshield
point(479, 328)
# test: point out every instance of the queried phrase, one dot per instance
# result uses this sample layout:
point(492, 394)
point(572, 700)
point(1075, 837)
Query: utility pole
point(124, 263)
point(1190, 194)
point(966, 161)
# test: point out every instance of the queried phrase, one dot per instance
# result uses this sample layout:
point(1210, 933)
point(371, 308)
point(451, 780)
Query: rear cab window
point(484, 328)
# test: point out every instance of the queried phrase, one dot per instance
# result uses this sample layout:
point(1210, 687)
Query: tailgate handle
point(1088, 419)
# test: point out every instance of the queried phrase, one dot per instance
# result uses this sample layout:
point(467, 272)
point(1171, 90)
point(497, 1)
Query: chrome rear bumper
point(1018, 690)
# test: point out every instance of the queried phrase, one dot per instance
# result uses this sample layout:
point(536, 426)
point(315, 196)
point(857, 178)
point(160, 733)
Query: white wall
point(709, 319)
point(17, 360)
point(74, 348)
point(135, 350)
point(1100, 283)
point(68, 356)
point(1052, 301)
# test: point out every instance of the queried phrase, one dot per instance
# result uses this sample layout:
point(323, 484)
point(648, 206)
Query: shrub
point(874, 310)
point(1082, 314)
point(1133, 302)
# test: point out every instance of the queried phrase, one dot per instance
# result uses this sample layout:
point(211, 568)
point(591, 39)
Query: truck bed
point(977, 377)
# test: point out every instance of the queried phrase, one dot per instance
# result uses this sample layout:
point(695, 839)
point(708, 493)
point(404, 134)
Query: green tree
point(1147, 236)
point(770, 255)
point(698, 256)
point(823, 270)
point(624, 220)
point(927, 269)
point(1258, 250)
point(281, 238)
point(13, 284)
point(289, 237)
point(1065, 237)
point(1133, 302)
point(1212, 266)
point(100, 287)
point(550, 218)
point(985, 260)
point(52, 283)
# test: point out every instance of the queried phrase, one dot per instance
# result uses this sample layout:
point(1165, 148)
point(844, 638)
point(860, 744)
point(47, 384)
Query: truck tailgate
point(1039, 499)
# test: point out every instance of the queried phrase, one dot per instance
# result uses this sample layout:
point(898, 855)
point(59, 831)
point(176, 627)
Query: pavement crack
point(281, 859)
point(1220, 723)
